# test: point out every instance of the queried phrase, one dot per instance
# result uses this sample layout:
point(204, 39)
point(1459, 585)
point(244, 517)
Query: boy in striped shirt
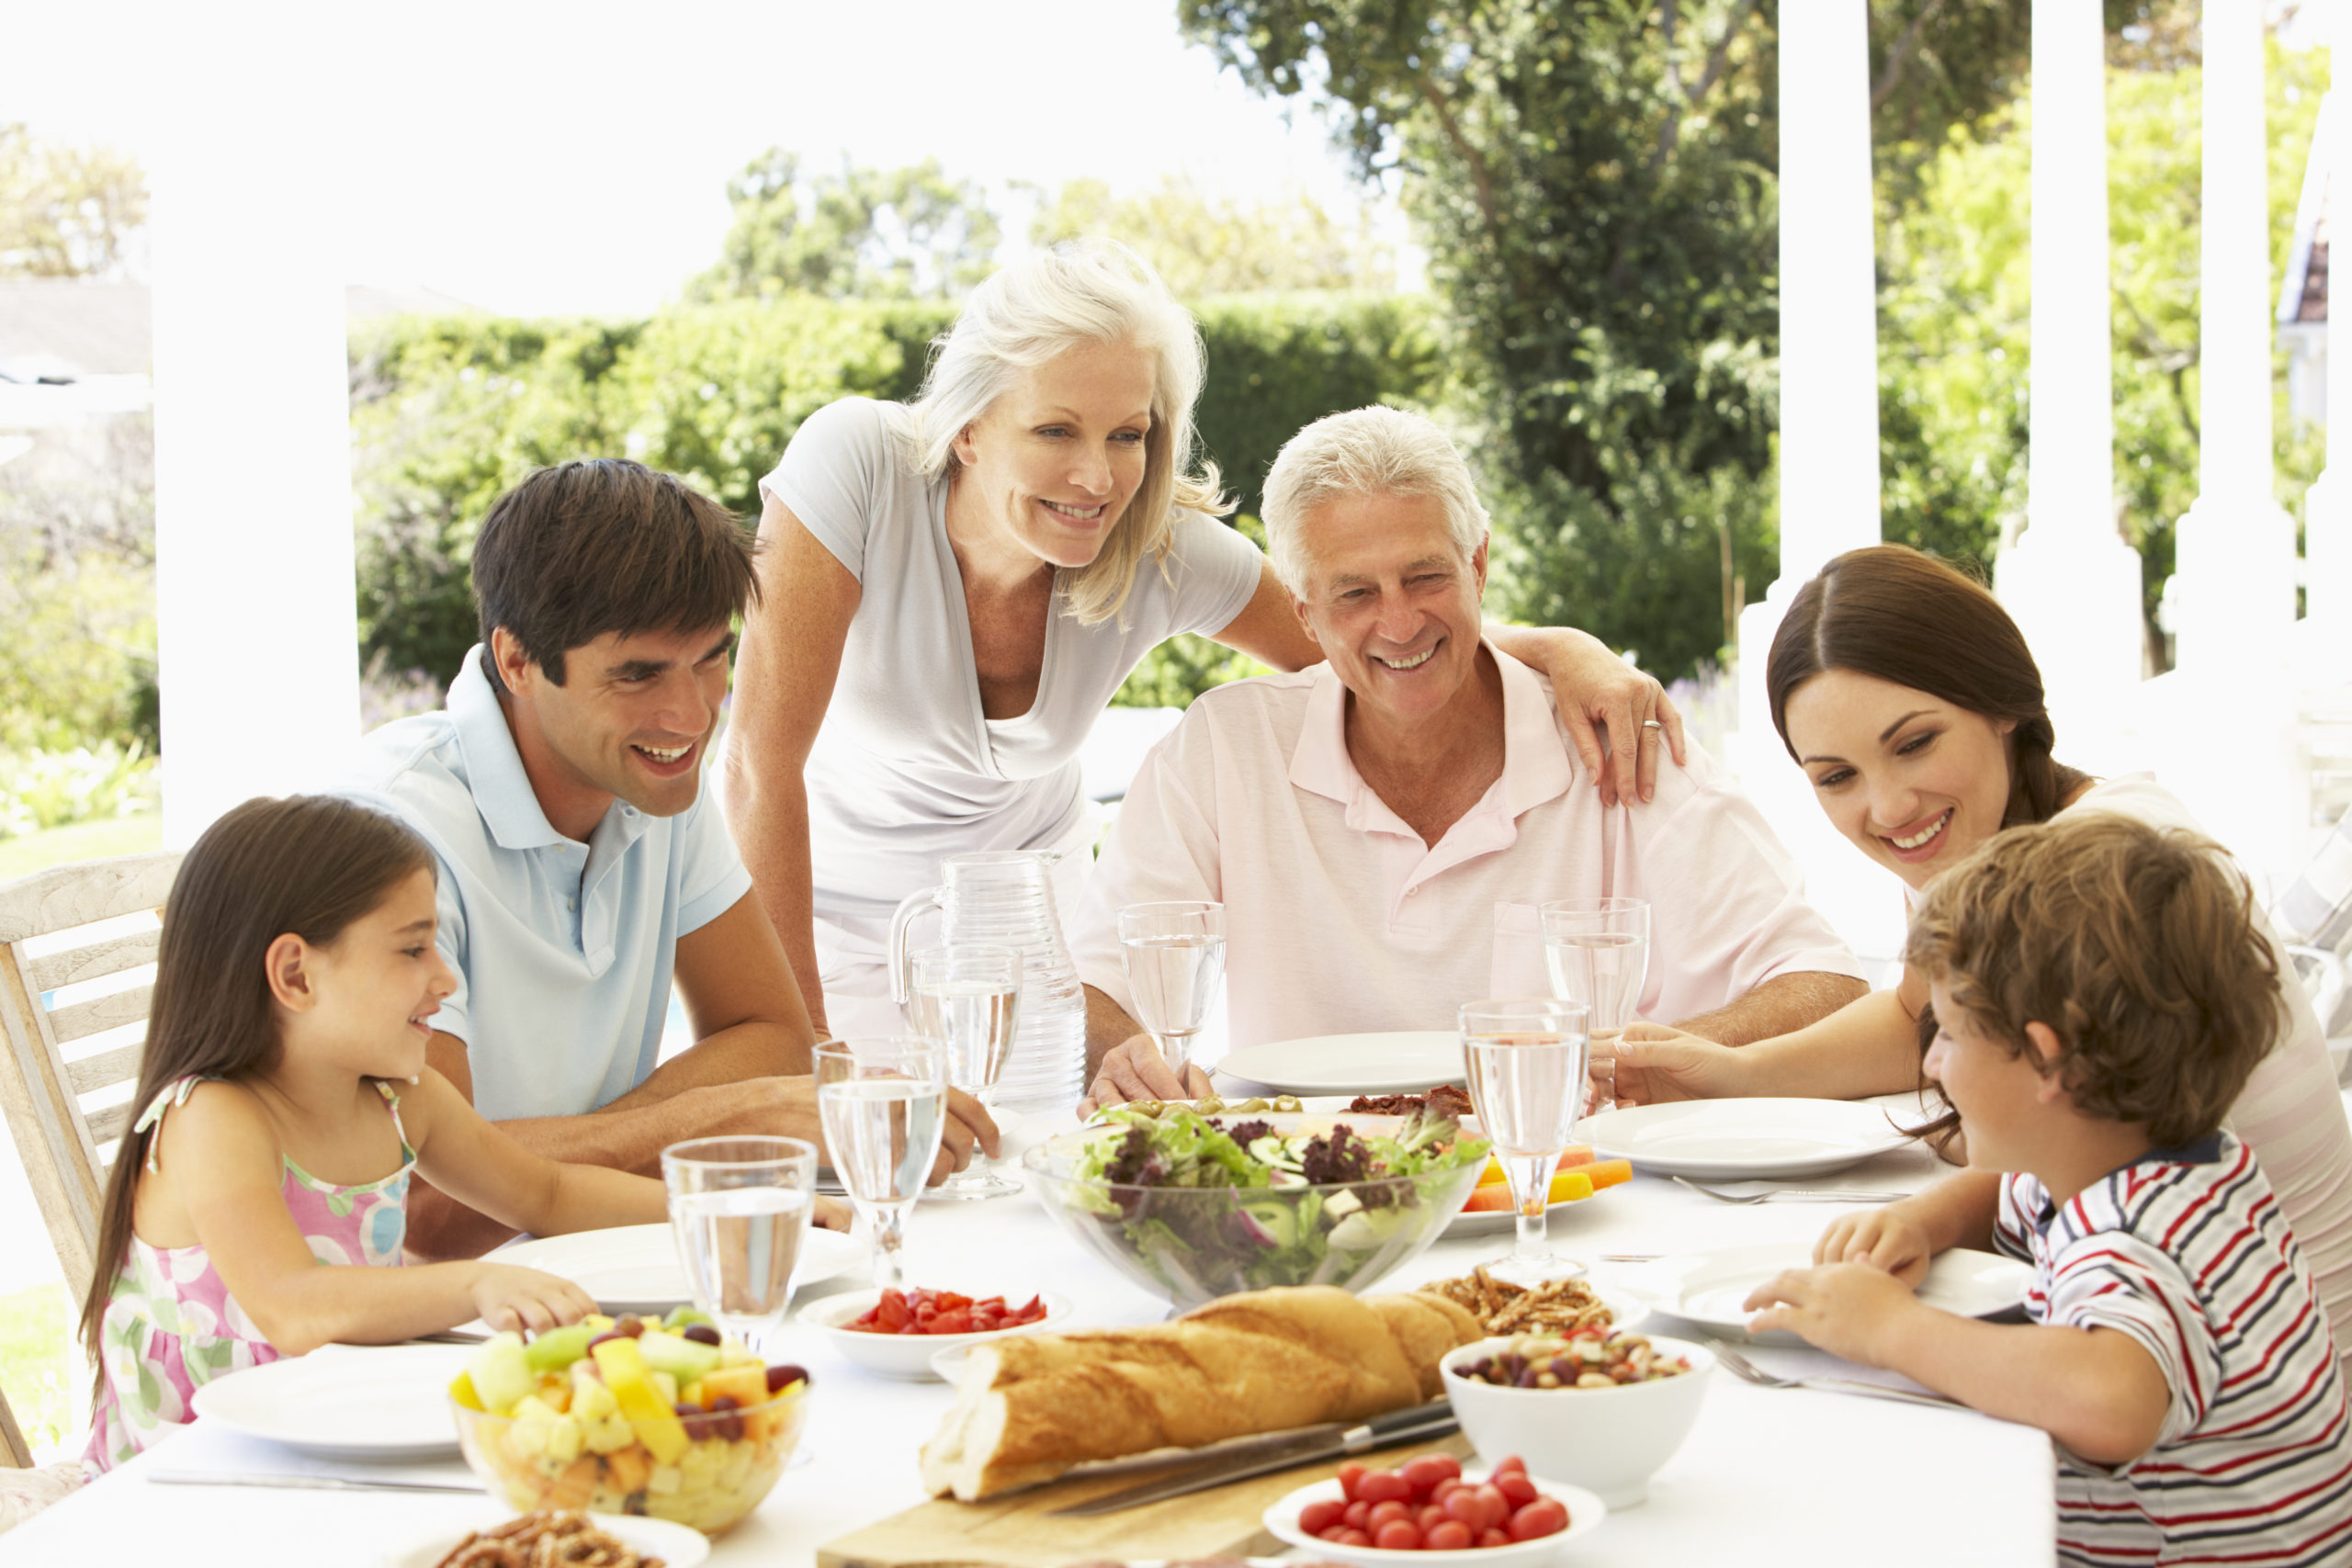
point(2102, 997)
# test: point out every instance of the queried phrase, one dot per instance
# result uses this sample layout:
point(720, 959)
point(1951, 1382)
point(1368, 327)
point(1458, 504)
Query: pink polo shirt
point(1338, 920)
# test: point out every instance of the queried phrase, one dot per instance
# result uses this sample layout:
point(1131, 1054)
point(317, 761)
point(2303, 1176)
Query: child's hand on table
point(506, 1296)
point(1844, 1308)
point(1888, 1239)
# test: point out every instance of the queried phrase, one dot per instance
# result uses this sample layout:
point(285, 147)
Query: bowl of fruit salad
point(664, 1417)
point(895, 1334)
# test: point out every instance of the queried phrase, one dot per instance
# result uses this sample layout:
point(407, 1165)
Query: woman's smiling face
point(1914, 781)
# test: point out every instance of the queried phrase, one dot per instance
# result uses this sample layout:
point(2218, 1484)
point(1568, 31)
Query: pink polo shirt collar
point(1536, 768)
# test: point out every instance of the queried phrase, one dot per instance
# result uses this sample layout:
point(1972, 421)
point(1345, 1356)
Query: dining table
point(1767, 1475)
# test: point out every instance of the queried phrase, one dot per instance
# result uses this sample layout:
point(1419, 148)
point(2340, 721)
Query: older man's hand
point(968, 1124)
point(1134, 1069)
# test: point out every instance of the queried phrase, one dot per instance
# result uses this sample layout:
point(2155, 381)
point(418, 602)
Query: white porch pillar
point(256, 602)
point(2072, 582)
point(2326, 649)
point(2236, 557)
point(1829, 463)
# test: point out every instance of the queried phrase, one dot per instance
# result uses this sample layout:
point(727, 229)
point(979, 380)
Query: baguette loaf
point(1033, 1405)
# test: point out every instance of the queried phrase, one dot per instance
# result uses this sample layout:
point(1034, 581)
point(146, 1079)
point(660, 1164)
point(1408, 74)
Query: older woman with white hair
point(954, 589)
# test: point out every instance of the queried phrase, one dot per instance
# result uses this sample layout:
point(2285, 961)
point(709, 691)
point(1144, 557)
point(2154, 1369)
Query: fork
point(1747, 1371)
point(1794, 1194)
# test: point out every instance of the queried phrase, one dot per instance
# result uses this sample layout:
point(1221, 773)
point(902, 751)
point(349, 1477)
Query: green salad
point(1212, 1204)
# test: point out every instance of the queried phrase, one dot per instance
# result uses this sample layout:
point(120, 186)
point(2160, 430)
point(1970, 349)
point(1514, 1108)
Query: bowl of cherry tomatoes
point(1430, 1511)
point(895, 1334)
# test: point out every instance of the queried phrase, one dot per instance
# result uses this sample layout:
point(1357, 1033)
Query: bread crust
point(1033, 1405)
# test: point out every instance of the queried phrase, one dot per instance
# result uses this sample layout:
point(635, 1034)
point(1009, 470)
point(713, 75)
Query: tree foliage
point(1202, 242)
point(862, 233)
point(68, 210)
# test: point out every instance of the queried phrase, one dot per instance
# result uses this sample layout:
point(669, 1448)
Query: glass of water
point(880, 1101)
point(1599, 953)
point(1175, 955)
point(740, 1209)
point(1526, 1061)
point(967, 996)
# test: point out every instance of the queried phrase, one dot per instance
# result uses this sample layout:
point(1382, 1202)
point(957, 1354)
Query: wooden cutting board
point(1015, 1532)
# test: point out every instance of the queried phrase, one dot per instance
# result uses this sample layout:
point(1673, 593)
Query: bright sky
point(538, 157)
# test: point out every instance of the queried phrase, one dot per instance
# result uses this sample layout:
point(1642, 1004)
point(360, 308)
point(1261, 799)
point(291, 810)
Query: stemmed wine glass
point(967, 997)
point(1526, 1061)
point(881, 1100)
point(1599, 953)
point(739, 1210)
point(1175, 956)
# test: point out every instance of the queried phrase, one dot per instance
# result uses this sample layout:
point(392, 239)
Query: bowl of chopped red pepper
point(894, 1334)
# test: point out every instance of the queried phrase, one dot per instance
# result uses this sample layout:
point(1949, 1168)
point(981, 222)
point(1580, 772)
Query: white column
point(2235, 557)
point(255, 604)
point(2327, 506)
point(1830, 470)
point(2071, 582)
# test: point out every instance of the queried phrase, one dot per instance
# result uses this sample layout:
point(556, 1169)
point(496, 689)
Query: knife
point(1283, 1451)
point(306, 1483)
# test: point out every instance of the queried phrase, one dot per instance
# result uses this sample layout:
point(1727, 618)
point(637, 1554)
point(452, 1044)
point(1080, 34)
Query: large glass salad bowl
point(1196, 1207)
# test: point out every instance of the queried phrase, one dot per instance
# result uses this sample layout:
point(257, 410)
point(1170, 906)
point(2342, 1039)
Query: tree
point(67, 212)
point(1204, 244)
point(863, 234)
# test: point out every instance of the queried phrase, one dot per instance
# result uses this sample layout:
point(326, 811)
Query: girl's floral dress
point(170, 1325)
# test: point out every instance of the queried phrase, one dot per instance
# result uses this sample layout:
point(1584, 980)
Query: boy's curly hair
point(2136, 946)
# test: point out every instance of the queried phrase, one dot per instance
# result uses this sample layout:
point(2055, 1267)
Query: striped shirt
point(2186, 1251)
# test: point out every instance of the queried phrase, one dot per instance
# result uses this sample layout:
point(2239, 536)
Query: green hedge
point(449, 411)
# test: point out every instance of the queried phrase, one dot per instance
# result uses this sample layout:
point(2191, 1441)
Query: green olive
point(1252, 1103)
point(1209, 1104)
point(1287, 1102)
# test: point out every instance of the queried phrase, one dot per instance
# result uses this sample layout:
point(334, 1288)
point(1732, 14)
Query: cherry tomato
point(1426, 1471)
point(1357, 1538)
point(1321, 1515)
point(1355, 1513)
point(1546, 1515)
point(1383, 1486)
point(1399, 1535)
point(1429, 1516)
point(1443, 1489)
point(1332, 1533)
point(1387, 1513)
point(1464, 1505)
point(1514, 1462)
point(1498, 1507)
point(1450, 1536)
point(1349, 1473)
point(1516, 1488)
point(1493, 1538)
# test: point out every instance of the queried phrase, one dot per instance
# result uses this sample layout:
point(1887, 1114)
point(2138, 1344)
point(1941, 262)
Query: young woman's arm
point(225, 1171)
point(1869, 1046)
point(790, 657)
point(1595, 688)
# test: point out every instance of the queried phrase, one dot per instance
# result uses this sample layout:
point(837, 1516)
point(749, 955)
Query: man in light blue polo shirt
point(581, 869)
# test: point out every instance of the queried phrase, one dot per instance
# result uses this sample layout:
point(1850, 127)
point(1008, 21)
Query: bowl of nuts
point(1598, 1408)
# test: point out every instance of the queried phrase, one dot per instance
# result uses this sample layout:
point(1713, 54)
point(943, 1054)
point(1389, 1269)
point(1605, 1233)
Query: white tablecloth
point(1766, 1477)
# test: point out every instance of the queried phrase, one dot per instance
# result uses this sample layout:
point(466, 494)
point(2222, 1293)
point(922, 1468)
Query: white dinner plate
point(1404, 1062)
point(1710, 1287)
point(636, 1267)
point(379, 1403)
point(1733, 1139)
point(676, 1545)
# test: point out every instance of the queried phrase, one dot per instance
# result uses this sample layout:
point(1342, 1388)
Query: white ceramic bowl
point(1611, 1440)
point(909, 1356)
point(1585, 1514)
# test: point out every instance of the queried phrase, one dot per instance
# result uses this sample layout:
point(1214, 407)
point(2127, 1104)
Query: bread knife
point(1304, 1446)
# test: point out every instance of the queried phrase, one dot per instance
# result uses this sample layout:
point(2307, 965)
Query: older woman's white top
point(906, 769)
point(2290, 1114)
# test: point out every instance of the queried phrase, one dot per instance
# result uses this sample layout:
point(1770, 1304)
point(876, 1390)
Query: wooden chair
point(54, 1063)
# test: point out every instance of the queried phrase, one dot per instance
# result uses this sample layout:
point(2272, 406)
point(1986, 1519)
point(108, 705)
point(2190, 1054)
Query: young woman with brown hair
point(1911, 701)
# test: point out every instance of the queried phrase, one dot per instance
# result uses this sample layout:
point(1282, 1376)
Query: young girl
point(284, 1101)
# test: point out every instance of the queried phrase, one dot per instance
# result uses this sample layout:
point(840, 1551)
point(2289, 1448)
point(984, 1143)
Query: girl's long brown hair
point(1902, 615)
point(308, 865)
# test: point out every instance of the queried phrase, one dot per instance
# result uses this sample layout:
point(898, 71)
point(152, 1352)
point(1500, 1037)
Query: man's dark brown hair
point(606, 546)
point(2136, 946)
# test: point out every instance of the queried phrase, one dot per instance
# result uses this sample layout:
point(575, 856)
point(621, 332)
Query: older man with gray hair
point(1381, 828)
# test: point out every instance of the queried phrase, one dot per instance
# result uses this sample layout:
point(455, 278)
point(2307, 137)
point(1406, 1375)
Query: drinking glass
point(1599, 953)
point(740, 1209)
point(967, 997)
point(1175, 955)
point(1526, 1061)
point(880, 1101)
